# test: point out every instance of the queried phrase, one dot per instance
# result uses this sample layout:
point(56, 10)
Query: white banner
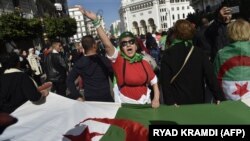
point(57, 117)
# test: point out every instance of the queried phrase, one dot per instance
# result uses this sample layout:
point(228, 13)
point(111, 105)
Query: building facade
point(38, 8)
point(27, 7)
point(75, 13)
point(205, 5)
point(84, 25)
point(142, 16)
point(115, 28)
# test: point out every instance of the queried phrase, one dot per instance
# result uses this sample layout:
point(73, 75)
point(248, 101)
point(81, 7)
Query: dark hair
point(150, 41)
point(9, 60)
point(87, 42)
point(170, 36)
point(164, 33)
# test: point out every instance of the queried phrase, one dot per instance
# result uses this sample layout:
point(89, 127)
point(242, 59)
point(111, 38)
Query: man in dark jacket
point(216, 33)
point(95, 70)
point(56, 68)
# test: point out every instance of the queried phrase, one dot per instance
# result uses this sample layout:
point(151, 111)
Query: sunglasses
point(126, 43)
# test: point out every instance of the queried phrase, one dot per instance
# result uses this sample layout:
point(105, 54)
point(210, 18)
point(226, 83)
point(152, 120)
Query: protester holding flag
point(16, 87)
point(132, 72)
point(184, 82)
point(232, 63)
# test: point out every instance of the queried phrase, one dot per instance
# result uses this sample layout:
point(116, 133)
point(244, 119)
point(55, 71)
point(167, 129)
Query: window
point(166, 25)
point(183, 7)
point(172, 8)
point(171, 1)
point(162, 1)
point(177, 1)
point(177, 8)
point(79, 35)
point(187, 7)
point(178, 15)
point(173, 17)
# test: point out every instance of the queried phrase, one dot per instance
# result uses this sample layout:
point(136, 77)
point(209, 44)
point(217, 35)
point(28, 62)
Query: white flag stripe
point(229, 88)
point(143, 99)
point(51, 120)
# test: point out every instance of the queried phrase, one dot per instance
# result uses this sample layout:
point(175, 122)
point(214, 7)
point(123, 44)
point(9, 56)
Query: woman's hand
point(44, 93)
point(89, 14)
point(80, 99)
point(218, 102)
point(155, 103)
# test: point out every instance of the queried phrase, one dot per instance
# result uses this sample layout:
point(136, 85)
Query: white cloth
point(35, 64)
point(56, 117)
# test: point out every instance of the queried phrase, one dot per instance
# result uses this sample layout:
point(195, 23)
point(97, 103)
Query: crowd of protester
point(179, 66)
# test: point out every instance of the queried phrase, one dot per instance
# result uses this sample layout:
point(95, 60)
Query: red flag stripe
point(133, 130)
point(233, 62)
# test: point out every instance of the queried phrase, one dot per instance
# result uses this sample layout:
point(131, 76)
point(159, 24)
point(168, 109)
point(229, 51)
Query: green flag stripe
point(227, 113)
point(233, 74)
point(240, 48)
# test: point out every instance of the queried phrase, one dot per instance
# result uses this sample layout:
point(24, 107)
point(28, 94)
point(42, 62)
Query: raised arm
point(109, 48)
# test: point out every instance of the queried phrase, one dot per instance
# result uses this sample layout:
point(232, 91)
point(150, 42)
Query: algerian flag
point(62, 119)
point(236, 90)
point(52, 120)
point(232, 67)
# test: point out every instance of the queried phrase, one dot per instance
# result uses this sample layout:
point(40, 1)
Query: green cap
point(126, 34)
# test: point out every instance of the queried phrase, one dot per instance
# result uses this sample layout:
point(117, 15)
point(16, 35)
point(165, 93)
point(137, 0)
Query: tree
point(60, 27)
point(14, 27)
